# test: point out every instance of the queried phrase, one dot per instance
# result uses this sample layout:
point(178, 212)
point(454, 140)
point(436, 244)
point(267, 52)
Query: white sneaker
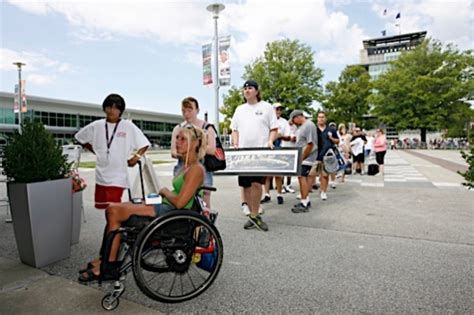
point(333, 185)
point(260, 210)
point(289, 189)
point(324, 196)
point(245, 209)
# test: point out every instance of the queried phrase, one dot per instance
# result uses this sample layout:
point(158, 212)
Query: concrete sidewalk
point(374, 247)
point(26, 290)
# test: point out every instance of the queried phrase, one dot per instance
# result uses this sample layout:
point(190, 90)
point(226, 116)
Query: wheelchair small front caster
point(109, 302)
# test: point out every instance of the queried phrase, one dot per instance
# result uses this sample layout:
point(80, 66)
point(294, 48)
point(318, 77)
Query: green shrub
point(469, 174)
point(33, 156)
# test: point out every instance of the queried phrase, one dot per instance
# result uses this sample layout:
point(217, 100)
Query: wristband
point(139, 156)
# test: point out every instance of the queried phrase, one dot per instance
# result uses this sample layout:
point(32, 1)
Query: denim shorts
point(162, 208)
point(208, 176)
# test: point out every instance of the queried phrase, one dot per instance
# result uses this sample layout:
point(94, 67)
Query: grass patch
point(91, 164)
point(162, 161)
point(87, 164)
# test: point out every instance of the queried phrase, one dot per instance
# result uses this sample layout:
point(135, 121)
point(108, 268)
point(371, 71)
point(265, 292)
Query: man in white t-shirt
point(254, 125)
point(117, 144)
point(282, 135)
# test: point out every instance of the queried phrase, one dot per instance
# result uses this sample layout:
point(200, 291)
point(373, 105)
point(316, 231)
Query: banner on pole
point(16, 104)
point(207, 64)
point(224, 61)
point(23, 97)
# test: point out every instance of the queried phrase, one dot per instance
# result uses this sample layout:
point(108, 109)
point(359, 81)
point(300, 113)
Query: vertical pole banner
point(206, 64)
point(224, 62)
point(23, 97)
point(16, 103)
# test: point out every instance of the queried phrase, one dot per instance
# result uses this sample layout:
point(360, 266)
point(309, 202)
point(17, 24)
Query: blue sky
point(150, 51)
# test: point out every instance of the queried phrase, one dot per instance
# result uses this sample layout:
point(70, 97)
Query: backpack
point(330, 162)
point(215, 162)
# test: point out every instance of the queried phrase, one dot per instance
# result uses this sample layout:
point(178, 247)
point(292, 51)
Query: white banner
point(224, 61)
point(207, 64)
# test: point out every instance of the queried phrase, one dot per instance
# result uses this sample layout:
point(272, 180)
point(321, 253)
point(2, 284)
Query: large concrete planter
point(42, 220)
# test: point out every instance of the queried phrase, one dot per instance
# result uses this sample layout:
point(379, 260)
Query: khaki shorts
point(317, 169)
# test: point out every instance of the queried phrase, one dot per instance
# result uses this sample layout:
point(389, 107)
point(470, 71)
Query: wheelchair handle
point(206, 188)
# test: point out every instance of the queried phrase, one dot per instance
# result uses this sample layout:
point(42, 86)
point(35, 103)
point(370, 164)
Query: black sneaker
point(280, 200)
point(315, 187)
point(266, 199)
point(300, 208)
point(256, 222)
point(308, 206)
point(249, 225)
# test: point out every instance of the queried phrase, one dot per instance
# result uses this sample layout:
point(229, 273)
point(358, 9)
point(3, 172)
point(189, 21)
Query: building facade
point(377, 54)
point(64, 118)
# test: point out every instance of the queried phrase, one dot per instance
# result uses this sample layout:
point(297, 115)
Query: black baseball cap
point(251, 83)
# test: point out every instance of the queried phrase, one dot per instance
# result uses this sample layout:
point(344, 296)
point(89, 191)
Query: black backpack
point(215, 162)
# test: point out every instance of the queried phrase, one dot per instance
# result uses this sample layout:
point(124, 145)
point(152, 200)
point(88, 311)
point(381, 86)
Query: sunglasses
point(190, 126)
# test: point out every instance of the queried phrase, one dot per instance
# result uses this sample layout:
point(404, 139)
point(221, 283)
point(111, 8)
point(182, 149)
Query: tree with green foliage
point(347, 99)
point(469, 174)
point(425, 89)
point(286, 73)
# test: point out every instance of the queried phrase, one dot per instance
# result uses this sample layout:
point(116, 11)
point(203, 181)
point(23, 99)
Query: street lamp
point(216, 8)
point(19, 65)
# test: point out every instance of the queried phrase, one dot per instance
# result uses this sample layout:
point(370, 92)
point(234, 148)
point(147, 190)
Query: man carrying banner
point(254, 125)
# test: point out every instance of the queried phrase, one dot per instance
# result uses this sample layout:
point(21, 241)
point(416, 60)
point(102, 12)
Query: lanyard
point(109, 142)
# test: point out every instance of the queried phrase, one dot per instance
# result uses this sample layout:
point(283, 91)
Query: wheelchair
point(174, 257)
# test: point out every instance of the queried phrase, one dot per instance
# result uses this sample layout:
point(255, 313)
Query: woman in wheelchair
point(191, 145)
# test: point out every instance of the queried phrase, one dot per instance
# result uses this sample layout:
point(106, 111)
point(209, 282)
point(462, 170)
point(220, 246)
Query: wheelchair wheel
point(109, 302)
point(177, 257)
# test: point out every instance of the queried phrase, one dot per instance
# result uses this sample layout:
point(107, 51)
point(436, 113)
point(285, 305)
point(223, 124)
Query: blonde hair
point(194, 133)
point(341, 126)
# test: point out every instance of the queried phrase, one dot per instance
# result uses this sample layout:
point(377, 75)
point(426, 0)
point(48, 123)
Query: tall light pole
point(216, 8)
point(19, 65)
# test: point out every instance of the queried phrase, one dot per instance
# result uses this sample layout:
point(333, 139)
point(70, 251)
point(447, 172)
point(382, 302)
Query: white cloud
point(40, 79)
point(252, 24)
point(92, 36)
point(171, 21)
point(449, 21)
point(41, 69)
point(329, 33)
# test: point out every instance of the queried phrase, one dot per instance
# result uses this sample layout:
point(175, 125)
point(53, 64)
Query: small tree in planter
point(40, 195)
point(34, 156)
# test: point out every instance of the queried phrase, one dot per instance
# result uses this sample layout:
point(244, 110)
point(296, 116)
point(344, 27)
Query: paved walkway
point(409, 168)
point(403, 246)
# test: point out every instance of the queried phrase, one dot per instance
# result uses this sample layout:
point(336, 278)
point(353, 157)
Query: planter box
point(76, 217)
point(42, 220)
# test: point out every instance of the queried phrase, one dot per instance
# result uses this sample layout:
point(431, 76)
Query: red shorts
point(107, 194)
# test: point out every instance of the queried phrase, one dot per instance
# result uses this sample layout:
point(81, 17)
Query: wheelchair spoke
point(181, 282)
point(191, 280)
point(172, 284)
point(196, 270)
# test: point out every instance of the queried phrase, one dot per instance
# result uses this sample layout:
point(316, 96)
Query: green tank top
point(178, 182)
